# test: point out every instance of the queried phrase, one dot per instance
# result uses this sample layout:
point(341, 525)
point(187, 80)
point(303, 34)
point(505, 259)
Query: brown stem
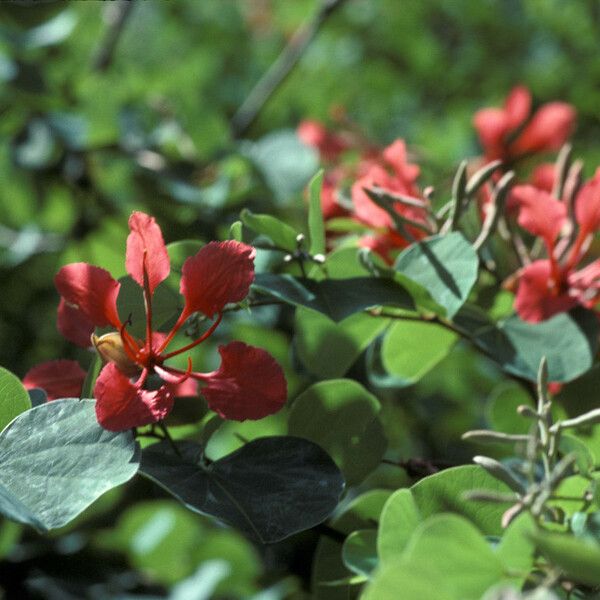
point(281, 68)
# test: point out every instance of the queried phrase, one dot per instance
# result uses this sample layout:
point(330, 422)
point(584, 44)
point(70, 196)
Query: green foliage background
point(80, 147)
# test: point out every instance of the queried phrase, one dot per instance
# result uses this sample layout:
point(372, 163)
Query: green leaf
point(336, 298)
point(445, 265)
point(516, 549)
point(14, 398)
point(316, 225)
point(567, 340)
point(285, 163)
point(411, 348)
point(399, 519)
point(87, 390)
point(359, 552)
point(360, 513)
point(270, 488)
point(583, 457)
point(444, 492)
point(318, 337)
point(280, 233)
point(579, 559)
point(450, 546)
point(180, 251)
point(396, 580)
point(166, 304)
point(56, 460)
point(341, 416)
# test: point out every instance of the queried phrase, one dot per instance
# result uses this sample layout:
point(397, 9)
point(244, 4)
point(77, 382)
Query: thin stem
point(147, 304)
point(203, 337)
point(169, 439)
point(106, 51)
point(281, 68)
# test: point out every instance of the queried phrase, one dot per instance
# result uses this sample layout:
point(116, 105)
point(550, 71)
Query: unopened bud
point(300, 238)
point(110, 348)
point(319, 258)
point(288, 258)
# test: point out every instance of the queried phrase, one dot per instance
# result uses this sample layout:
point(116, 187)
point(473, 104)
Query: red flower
point(58, 378)
point(396, 176)
point(549, 286)
point(249, 384)
point(500, 132)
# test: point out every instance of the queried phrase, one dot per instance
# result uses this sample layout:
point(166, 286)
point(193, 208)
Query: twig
point(105, 52)
point(281, 68)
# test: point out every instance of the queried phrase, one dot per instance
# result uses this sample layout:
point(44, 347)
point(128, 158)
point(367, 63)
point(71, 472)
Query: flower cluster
point(513, 132)
point(386, 171)
point(249, 384)
point(558, 283)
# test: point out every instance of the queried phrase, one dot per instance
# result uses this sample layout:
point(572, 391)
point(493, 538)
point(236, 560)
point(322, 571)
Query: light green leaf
point(14, 398)
point(445, 265)
point(411, 348)
point(316, 226)
point(56, 460)
point(280, 233)
point(399, 519)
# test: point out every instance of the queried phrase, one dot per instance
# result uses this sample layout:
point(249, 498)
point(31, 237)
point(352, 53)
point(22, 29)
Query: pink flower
point(248, 385)
point(507, 134)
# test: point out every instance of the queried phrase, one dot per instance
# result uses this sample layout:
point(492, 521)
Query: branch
point(281, 68)
point(117, 18)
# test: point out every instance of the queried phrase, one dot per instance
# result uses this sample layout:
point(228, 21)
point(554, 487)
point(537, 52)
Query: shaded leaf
point(270, 488)
point(336, 298)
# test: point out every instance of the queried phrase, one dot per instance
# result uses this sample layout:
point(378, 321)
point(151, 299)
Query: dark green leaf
point(336, 298)
point(270, 488)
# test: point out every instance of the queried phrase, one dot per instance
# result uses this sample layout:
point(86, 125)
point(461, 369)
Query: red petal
point(92, 290)
point(549, 128)
point(220, 273)
point(587, 205)
point(249, 384)
point(364, 208)
point(58, 378)
point(517, 106)
point(396, 156)
point(535, 300)
point(492, 127)
point(146, 249)
point(543, 177)
point(74, 325)
point(121, 405)
point(539, 213)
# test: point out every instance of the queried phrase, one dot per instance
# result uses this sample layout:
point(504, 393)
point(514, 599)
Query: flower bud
point(110, 348)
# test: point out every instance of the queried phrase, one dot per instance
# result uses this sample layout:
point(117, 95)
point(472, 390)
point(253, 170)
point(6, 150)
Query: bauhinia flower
point(249, 384)
point(510, 132)
point(555, 284)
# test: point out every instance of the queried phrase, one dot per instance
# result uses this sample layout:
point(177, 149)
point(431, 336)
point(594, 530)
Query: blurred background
point(187, 110)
